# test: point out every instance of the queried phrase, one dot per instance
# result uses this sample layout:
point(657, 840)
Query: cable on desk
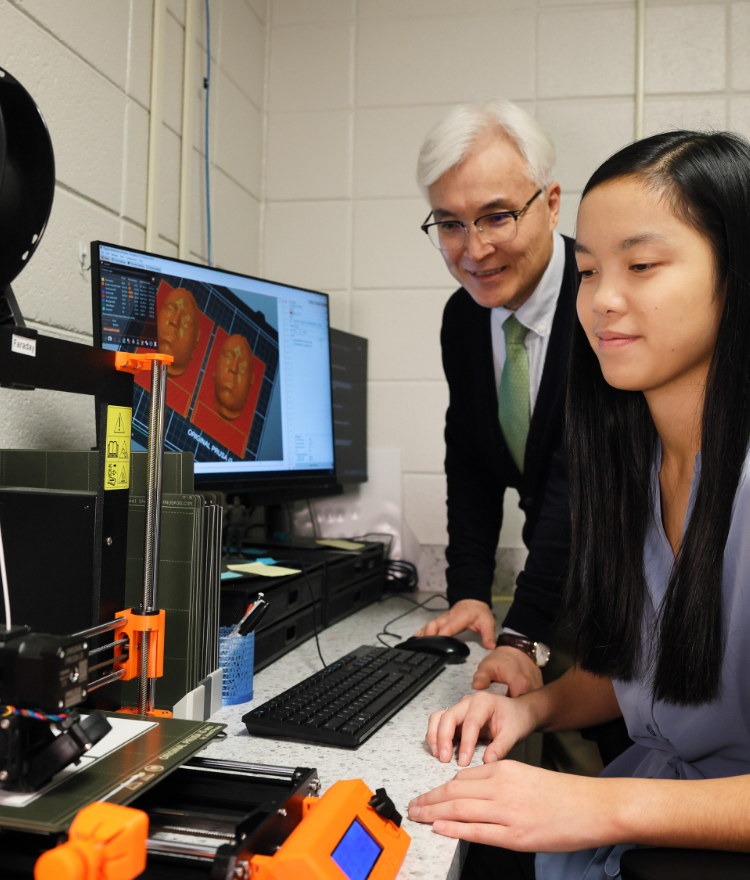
point(400, 576)
point(384, 631)
point(303, 566)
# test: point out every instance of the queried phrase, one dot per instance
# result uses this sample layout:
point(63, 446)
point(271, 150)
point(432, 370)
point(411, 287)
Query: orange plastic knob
point(69, 861)
point(105, 842)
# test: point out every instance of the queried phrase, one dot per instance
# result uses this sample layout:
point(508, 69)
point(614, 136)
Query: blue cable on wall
point(207, 86)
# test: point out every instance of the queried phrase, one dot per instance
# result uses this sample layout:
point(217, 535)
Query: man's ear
point(553, 201)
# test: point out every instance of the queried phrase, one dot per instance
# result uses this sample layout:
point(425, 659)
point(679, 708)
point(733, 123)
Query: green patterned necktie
point(513, 396)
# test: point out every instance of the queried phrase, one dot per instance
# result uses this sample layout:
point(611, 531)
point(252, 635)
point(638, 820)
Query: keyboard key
point(381, 703)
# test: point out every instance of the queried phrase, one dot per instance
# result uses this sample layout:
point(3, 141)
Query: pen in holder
point(237, 654)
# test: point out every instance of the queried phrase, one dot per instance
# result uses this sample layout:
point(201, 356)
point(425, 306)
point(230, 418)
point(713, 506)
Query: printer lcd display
point(357, 852)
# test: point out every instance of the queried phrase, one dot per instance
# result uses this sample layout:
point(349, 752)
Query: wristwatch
point(538, 651)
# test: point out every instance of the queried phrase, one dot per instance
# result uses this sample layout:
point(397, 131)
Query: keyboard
point(345, 703)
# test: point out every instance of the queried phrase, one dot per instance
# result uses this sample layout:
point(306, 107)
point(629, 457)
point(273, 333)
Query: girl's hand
point(502, 720)
point(522, 808)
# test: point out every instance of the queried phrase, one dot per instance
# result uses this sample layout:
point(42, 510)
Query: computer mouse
point(454, 650)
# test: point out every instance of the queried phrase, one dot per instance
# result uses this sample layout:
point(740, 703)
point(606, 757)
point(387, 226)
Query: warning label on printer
point(117, 448)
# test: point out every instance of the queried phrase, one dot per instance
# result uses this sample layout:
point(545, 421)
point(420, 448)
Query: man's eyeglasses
point(451, 235)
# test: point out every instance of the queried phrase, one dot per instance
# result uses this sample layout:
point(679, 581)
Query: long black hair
point(705, 179)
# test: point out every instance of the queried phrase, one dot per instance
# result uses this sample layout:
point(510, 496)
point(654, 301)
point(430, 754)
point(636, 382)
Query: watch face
point(542, 654)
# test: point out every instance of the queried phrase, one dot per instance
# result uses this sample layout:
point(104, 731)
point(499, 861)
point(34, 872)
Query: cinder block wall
point(353, 87)
point(87, 64)
point(318, 108)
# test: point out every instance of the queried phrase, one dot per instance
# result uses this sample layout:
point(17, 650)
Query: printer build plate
point(119, 776)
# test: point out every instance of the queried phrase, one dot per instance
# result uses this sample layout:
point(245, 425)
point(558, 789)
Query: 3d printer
point(149, 807)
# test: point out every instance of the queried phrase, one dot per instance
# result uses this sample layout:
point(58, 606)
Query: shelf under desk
point(395, 757)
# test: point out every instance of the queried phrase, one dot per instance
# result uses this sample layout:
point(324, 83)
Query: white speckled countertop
point(395, 757)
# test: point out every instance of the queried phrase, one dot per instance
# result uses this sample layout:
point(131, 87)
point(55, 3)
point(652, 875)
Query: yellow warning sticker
point(117, 448)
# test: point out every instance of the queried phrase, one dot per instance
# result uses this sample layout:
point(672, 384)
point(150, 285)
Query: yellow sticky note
point(271, 571)
point(117, 447)
point(339, 544)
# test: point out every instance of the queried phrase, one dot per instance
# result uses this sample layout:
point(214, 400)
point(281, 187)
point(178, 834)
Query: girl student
point(658, 421)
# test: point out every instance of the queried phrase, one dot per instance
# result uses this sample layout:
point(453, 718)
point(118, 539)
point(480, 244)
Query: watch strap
point(528, 646)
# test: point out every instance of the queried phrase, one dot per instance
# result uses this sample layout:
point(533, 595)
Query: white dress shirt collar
point(538, 311)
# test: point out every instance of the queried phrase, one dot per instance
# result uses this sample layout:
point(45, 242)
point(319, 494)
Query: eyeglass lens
point(495, 228)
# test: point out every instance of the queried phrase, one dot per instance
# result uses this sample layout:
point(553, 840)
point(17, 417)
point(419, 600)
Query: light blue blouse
point(681, 742)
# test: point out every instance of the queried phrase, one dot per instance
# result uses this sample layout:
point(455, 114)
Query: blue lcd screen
point(357, 852)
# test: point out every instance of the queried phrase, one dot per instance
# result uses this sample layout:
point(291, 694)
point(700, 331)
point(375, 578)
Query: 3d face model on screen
point(233, 378)
point(178, 329)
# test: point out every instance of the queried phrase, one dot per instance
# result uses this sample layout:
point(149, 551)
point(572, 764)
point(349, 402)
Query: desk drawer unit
point(275, 641)
point(350, 568)
point(285, 596)
point(350, 576)
point(354, 597)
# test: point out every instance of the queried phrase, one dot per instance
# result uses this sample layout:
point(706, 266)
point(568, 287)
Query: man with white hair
point(488, 173)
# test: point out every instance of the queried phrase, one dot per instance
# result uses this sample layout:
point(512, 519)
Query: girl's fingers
point(456, 789)
point(465, 810)
point(499, 747)
point(476, 718)
point(474, 832)
point(432, 730)
point(449, 722)
point(433, 727)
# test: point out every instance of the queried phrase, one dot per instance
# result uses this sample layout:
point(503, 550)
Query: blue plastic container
point(236, 657)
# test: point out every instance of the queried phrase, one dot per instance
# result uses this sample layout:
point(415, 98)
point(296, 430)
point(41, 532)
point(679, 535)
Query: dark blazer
point(479, 466)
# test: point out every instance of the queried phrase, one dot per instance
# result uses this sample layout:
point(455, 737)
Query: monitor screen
point(349, 382)
point(249, 390)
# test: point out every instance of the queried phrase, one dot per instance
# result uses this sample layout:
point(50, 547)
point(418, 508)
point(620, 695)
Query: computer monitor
point(249, 390)
point(349, 383)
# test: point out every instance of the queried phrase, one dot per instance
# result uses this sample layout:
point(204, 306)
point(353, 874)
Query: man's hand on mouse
point(511, 666)
point(465, 614)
